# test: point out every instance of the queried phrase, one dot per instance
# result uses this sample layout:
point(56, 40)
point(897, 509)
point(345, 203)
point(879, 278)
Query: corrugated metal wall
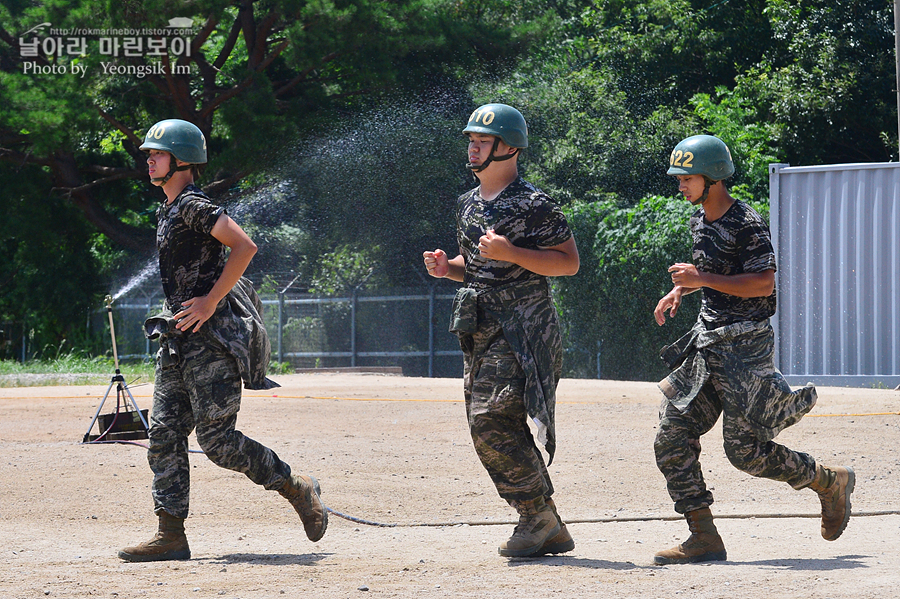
point(836, 231)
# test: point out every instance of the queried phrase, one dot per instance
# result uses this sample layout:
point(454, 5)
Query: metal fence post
point(353, 328)
point(280, 326)
point(431, 333)
point(146, 339)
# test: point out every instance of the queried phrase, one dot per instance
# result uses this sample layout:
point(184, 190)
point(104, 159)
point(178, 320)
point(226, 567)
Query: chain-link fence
point(405, 328)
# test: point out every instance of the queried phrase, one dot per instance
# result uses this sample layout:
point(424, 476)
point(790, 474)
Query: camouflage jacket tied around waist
point(739, 356)
point(236, 325)
point(526, 314)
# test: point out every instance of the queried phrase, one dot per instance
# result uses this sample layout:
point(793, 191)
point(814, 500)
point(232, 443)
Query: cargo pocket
point(217, 388)
point(508, 387)
point(509, 368)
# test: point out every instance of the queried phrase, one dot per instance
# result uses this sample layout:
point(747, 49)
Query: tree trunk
point(66, 176)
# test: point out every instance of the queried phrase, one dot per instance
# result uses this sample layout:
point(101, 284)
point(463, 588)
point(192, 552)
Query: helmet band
point(491, 158)
point(172, 170)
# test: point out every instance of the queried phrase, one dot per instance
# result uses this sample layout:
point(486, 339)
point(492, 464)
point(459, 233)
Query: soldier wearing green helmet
point(181, 139)
point(702, 155)
point(212, 340)
point(511, 236)
point(505, 124)
point(724, 365)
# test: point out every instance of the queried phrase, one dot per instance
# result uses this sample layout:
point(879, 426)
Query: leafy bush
point(608, 307)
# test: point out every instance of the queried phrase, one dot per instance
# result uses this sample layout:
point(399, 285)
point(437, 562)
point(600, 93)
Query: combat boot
point(303, 493)
point(704, 544)
point(834, 486)
point(560, 543)
point(170, 543)
point(537, 525)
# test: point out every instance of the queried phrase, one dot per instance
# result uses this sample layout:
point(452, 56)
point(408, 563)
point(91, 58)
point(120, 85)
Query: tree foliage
point(334, 134)
point(260, 74)
point(798, 81)
point(45, 274)
point(828, 81)
point(257, 76)
point(609, 305)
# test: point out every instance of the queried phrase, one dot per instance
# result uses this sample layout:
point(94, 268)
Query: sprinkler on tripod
point(112, 331)
point(120, 425)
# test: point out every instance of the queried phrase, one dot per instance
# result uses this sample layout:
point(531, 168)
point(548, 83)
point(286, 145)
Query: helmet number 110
point(485, 117)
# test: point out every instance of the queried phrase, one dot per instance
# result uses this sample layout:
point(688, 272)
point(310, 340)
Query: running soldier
point(511, 238)
point(212, 339)
point(724, 365)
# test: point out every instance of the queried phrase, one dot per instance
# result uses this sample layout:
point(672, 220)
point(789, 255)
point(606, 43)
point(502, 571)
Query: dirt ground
point(396, 451)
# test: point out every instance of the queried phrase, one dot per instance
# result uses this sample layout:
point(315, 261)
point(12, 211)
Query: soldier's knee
point(215, 444)
point(161, 436)
point(659, 444)
point(212, 450)
point(485, 420)
point(482, 420)
point(740, 455)
point(666, 444)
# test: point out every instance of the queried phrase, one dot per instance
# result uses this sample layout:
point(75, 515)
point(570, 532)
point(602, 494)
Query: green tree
point(608, 306)
point(802, 81)
point(258, 74)
point(46, 278)
point(255, 76)
point(827, 81)
point(664, 51)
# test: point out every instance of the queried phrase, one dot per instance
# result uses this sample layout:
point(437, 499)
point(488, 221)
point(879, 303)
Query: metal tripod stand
point(121, 425)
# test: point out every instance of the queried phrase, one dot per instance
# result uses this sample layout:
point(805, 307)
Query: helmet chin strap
point(172, 170)
point(477, 168)
point(707, 184)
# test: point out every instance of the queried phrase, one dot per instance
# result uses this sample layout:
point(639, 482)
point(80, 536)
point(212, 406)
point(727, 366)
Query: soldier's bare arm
point(750, 284)
point(555, 261)
point(198, 310)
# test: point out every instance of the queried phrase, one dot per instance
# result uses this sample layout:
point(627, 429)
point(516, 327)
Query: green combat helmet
point(701, 155)
point(181, 139)
point(502, 121)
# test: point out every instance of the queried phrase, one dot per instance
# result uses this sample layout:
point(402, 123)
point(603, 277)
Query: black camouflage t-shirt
point(738, 242)
point(522, 213)
point(190, 258)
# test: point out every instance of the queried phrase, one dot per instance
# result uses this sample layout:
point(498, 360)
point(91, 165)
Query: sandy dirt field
point(396, 451)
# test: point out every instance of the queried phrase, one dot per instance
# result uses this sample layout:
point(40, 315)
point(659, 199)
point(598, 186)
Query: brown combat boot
point(563, 541)
point(834, 486)
point(537, 525)
point(303, 493)
point(704, 544)
point(170, 543)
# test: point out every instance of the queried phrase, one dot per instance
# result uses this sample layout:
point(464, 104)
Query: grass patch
point(71, 369)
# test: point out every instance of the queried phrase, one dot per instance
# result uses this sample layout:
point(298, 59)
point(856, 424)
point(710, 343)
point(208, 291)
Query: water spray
point(123, 424)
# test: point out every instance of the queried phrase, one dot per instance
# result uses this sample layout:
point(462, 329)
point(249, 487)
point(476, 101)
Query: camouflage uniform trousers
point(202, 392)
point(677, 442)
point(498, 420)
